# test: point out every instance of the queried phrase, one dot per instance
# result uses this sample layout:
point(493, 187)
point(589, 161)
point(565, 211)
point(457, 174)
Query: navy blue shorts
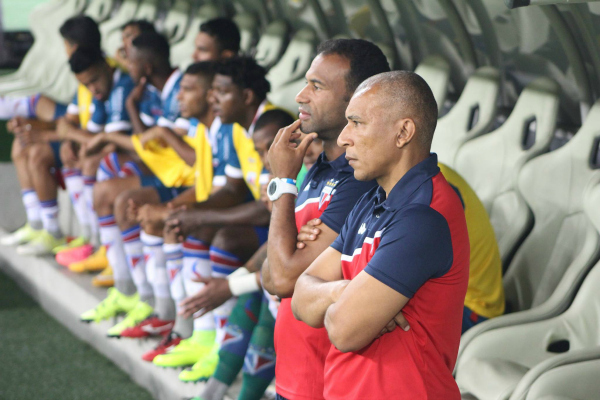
point(165, 193)
point(470, 319)
point(59, 111)
point(56, 151)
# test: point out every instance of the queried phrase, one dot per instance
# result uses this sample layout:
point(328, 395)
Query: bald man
point(404, 248)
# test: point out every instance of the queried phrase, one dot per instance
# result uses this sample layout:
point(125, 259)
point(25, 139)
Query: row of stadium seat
point(544, 209)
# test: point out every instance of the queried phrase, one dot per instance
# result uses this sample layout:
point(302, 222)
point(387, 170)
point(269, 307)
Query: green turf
point(40, 359)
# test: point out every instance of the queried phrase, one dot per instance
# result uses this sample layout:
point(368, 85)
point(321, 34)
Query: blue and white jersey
point(77, 109)
point(162, 108)
point(111, 115)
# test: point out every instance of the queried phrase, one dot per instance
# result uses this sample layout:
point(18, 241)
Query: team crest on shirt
point(326, 193)
point(251, 178)
point(259, 359)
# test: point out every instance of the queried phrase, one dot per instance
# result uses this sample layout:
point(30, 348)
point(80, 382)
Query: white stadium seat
point(436, 72)
point(271, 43)
point(111, 29)
point(248, 27)
point(471, 116)
point(562, 190)
point(288, 74)
point(177, 20)
point(100, 10)
point(491, 163)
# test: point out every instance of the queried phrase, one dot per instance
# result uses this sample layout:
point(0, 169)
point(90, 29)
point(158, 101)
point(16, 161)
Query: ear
point(227, 54)
point(248, 96)
point(405, 131)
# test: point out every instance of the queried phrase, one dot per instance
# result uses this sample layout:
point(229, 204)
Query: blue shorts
point(470, 319)
point(59, 111)
point(165, 193)
point(263, 234)
point(56, 151)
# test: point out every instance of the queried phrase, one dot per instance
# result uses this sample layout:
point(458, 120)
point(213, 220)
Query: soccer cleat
point(169, 342)
point(41, 245)
point(189, 351)
point(204, 368)
point(71, 244)
point(23, 235)
point(74, 254)
point(151, 326)
point(104, 278)
point(94, 263)
point(114, 304)
point(138, 314)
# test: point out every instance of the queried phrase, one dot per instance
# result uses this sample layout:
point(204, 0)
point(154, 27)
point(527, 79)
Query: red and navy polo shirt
point(416, 242)
point(329, 192)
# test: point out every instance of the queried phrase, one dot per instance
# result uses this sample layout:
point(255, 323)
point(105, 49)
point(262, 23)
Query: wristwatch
point(277, 187)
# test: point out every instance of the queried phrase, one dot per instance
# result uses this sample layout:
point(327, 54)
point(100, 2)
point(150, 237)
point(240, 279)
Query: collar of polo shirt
point(406, 186)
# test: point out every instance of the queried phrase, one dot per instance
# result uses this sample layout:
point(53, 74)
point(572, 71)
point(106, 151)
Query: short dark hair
point(205, 69)
point(225, 32)
point(143, 25)
point(156, 46)
point(82, 31)
point(406, 95)
point(246, 74)
point(85, 57)
point(366, 59)
point(276, 116)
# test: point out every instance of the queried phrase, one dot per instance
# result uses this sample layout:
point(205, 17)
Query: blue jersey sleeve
point(117, 117)
point(97, 118)
point(150, 107)
point(416, 247)
point(344, 199)
point(73, 107)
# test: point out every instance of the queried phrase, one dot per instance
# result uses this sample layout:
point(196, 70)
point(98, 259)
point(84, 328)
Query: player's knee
point(40, 156)
point(120, 207)
point(18, 152)
point(104, 197)
point(89, 166)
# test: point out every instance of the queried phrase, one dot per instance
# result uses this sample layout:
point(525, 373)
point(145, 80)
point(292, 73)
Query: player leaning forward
point(403, 249)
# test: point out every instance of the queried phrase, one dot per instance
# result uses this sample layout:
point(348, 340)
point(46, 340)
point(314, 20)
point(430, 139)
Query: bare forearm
point(255, 262)
point(312, 297)
point(254, 213)
point(283, 271)
point(226, 197)
point(121, 140)
point(185, 151)
point(134, 117)
point(78, 135)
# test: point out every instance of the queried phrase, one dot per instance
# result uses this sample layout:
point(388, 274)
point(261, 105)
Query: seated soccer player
point(404, 248)
point(148, 60)
point(248, 340)
point(33, 123)
point(239, 97)
point(218, 38)
point(80, 185)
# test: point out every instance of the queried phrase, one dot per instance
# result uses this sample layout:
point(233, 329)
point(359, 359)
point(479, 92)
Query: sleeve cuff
point(147, 119)
point(118, 126)
point(233, 172)
point(182, 123)
point(93, 127)
point(72, 109)
point(389, 281)
point(162, 121)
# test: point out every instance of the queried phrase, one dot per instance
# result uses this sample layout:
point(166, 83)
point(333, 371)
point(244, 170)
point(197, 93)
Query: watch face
point(272, 188)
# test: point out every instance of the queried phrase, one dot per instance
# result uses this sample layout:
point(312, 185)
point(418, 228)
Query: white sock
point(88, 196)
point(196, 262)
point(223, 263)
point(110, 236)
point(11, 107)
point(174, 261)
point(33, 208)
point(74, 184)
point(134, 253)
point(156, 267)
point(50, 217)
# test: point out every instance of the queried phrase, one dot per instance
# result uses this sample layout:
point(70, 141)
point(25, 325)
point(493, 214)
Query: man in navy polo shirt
point(404, 247)
point(329, 191)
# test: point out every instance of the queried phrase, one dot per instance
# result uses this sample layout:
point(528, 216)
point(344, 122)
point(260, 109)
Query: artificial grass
point(40, 359)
